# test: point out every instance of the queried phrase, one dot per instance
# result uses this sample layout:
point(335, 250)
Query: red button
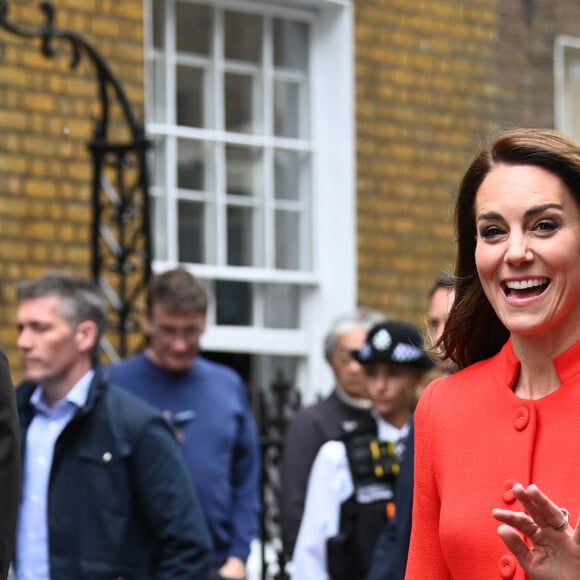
point(508, 493)
point(507, 566)
point(521, 418)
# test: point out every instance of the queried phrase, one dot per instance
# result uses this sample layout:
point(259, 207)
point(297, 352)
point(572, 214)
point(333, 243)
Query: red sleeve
point(425, 556)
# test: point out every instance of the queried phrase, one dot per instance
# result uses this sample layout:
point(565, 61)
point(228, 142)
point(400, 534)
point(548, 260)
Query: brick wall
point(525, 62)
point(525, 58)
point(425, 95)
point(45, 113)
point(432, 79)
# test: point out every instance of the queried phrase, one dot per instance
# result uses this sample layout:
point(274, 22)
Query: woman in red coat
point(497, 474)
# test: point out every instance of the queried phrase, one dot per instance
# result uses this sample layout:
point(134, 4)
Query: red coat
point(473, 439)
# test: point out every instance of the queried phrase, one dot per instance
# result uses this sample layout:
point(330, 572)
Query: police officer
point(350, 493)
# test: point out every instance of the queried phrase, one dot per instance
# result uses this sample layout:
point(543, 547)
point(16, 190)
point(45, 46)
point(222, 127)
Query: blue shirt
point(220, 445)
point(48, 423)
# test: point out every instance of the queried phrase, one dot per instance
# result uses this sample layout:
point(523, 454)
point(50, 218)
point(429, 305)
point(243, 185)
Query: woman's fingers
point(544, 512)
point(515, 543)
point(519, 520)
point(540, 537)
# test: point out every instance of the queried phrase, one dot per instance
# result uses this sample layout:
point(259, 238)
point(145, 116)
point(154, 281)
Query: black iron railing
point(277, 408)
point(121, 241)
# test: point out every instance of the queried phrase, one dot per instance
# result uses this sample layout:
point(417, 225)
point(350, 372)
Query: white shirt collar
point(388, 432)
point(78, 395)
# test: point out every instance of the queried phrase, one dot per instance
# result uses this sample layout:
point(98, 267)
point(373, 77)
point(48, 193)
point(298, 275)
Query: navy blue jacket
point(220, 445)
point(390, 556)
point(121, 503)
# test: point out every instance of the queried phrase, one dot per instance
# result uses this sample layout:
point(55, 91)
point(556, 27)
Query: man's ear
point(86, 335)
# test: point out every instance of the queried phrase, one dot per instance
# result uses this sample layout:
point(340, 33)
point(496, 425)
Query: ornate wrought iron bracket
point(121, 241)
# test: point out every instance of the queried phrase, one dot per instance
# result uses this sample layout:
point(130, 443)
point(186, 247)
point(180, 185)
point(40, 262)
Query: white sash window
point(249, 106)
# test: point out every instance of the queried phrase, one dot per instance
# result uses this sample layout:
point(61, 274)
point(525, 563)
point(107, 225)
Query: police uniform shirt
point(329, 485)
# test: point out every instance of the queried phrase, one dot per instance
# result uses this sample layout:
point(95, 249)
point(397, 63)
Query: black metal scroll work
point(121, 242)
point(277, 407)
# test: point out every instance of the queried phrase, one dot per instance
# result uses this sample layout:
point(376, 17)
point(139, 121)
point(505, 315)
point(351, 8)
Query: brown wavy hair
point(473, 331)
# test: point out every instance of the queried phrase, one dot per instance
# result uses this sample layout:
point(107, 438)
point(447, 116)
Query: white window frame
point(330, 285)
point(563, 108)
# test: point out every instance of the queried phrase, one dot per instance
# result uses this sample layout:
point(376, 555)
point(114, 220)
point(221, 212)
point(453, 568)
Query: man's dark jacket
point(390, 556)
point(9, 465)
point(310, 428)
point(120, 501)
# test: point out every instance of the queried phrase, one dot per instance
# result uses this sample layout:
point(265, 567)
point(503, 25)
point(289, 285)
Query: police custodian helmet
point(396, 342)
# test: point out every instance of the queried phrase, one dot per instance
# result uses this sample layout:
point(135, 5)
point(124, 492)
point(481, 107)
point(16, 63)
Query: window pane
point(287, 228)
point(240, 236)
point(234, 303)
point(291, 175)
point(241, 362)
point(575, 108)
point(243, 36)
point(158, 209)
point(158, 155)
point(290, 115)
point(191, 231)
point(194, 28)
point(194, 166)
point(282, 306)
point(273, 376)
point(244, 171)
point(242, 106)
point(190, 99)
point(290, 44)
point(572, 93)
point(157, 91)
point(158, 22)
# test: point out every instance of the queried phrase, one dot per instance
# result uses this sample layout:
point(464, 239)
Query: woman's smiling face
point(528, 249)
